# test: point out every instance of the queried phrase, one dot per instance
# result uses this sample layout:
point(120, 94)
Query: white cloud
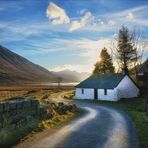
point(57, 14)
point(111, 22)
point(119, 14)
point(130, 16)
point(13, 31)
point(102, 23)
point(75, 25)
point(88, 50)
point(79, 24)
point(85, 49)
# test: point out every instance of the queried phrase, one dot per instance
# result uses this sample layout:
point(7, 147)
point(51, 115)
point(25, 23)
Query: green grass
point(69, 95)
point(56, 120)
point(135, 109)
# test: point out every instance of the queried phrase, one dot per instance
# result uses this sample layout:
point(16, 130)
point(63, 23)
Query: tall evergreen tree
point(126, 52)
point(105, 64)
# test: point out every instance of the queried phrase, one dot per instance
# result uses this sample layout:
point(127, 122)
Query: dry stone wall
point(20, 112)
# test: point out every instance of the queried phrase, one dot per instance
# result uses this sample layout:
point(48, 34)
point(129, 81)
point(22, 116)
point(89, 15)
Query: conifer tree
point(105, 64)
point(126, 51)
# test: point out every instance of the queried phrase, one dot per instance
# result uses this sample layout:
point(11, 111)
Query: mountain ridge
point(17, 69)
point(71, 76)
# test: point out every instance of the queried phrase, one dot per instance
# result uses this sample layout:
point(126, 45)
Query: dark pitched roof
point(102, 81)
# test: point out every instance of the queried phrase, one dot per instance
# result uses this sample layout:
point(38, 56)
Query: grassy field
point(10, 136)
point(36, 92)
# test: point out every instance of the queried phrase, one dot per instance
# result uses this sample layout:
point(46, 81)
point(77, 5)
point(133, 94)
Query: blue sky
point(68, 34)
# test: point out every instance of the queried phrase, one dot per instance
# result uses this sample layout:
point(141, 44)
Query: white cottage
point(111, 87)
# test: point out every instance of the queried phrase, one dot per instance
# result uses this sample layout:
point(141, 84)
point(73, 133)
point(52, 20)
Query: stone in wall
point(17, 113)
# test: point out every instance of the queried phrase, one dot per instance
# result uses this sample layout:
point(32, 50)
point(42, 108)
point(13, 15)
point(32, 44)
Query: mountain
point(71, 76)
point(16, 69)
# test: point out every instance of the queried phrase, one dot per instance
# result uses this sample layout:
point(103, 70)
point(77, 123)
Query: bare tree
point(59, 80)
point(138, 45)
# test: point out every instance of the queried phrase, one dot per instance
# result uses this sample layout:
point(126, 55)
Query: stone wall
point(22, 111)
point(18, 112)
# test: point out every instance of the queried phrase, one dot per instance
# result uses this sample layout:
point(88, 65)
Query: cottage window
point(105, 91)
point(82, 91)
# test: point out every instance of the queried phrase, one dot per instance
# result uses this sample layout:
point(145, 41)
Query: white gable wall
point(127, 89)
point(111, 95)
point(88, 93)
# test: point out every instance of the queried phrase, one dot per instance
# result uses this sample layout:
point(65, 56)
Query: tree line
point(126, 53)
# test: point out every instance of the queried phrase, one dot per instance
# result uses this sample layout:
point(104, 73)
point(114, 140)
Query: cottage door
point(95, 93)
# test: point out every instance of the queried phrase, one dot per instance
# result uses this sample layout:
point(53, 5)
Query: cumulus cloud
point(101, 22)
point(57, 14)
point(79, 24)
point(130, 16)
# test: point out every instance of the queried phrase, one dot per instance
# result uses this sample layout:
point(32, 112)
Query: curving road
point(98, 127)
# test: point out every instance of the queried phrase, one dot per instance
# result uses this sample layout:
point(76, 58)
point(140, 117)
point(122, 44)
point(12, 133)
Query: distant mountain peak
point(71, 76)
